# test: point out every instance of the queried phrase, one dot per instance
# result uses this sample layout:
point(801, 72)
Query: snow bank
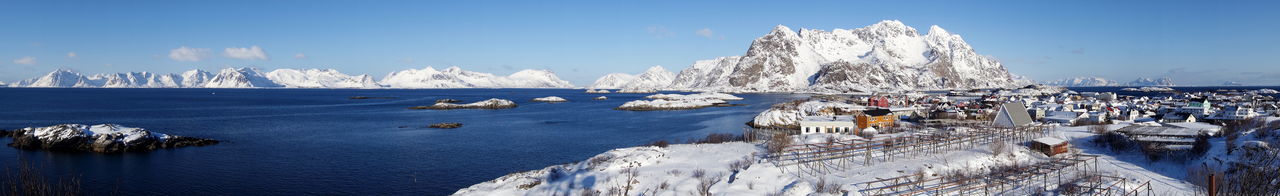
point(493, 103)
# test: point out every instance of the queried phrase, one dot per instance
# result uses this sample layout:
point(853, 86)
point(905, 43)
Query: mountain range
point(452, 77)
point(888, 55)
point(1098, 81)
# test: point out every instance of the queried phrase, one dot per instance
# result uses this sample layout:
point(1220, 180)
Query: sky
point(1193, 42)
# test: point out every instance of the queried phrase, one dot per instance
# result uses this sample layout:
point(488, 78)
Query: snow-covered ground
point(736, 168)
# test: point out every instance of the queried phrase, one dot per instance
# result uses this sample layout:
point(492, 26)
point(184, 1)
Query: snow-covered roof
point(1050, 141)
point(828, 118)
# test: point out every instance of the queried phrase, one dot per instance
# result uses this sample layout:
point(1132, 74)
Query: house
point(878, 101)
point(1012, 115)
point(1129, 115)
point(828, 124)
point(1238, 113)
point(1050, 146)
point(1197, 107)
point(1066, 117)
point(879, 118)
point(1175, 117)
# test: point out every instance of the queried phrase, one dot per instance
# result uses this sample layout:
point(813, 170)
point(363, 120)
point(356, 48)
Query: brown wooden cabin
point(1050, 146)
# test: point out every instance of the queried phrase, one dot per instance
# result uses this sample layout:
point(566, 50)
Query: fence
point(1072, 170)
point(843, 154)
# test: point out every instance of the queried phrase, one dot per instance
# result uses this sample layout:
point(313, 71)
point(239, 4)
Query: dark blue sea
point(314, 141)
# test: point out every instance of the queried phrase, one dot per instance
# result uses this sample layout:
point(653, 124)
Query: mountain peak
point(936, 30)
point(656, 68)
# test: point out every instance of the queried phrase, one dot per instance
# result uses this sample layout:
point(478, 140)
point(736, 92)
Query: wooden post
point(1213, 185)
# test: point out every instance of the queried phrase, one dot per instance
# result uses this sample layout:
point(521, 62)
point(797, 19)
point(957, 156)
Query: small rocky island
point(493, 103)
point(550, 99)
point(102, 138)
point(679, 102)
point(445, 125)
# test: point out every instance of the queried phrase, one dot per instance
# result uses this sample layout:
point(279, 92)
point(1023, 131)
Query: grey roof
point(1018, 114)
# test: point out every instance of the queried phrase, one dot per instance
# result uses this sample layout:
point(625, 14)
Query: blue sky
point(1196, 43)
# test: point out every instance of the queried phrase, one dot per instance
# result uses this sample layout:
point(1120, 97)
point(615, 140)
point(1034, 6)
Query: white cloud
point(300, 56)
point(73, 55)
point(189, 54)
point(251, 53)
point(26, 60)
point(705, 32)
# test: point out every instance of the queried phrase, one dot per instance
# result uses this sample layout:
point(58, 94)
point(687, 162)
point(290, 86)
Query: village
point(837, 131)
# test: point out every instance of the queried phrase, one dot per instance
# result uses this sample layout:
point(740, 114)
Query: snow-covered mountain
point(1084, 81)
point(240, 78)
point(454, 77)
point(1151, 82)
point(612, 81)
point(655, 77)
point(885, 56)
point(319, 78)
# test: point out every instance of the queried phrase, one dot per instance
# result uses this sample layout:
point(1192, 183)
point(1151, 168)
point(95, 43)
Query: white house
point(843, 124)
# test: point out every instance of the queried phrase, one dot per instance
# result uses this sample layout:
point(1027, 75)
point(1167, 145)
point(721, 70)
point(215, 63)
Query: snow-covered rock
point(493, 103)
point(706, 95)
point(1084, 81)
point(679, 102)
point(637, 91)
point(455, 77)
point(600, 91)
point(550, 99)
point(789, 114)
point(102, 138)
point(601, 98)
point(1149, 89)
point(319, 78)
point(886, 55)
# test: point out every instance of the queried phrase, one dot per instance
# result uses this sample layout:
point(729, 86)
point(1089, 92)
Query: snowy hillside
point(454, 77)
point(655, 77)
point(886, 55)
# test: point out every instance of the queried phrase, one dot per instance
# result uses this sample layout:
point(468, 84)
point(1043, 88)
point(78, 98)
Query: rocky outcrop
point(550, 99)
point(445, 125)
point(103, 138)
point(679, 102)
point(494, 103)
